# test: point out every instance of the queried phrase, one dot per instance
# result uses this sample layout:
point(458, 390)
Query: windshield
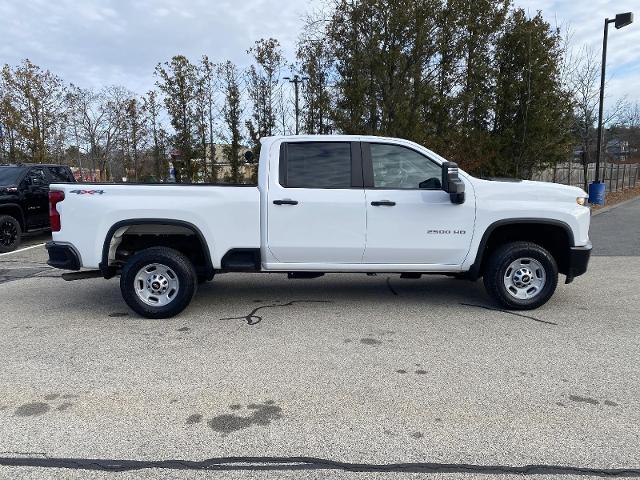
point(10, 175)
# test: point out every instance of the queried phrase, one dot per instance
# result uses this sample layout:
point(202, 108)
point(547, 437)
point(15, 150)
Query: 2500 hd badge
point(446, 232)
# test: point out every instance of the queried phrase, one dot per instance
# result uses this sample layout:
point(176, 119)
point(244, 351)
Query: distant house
point(618, 149)
point(217, 160)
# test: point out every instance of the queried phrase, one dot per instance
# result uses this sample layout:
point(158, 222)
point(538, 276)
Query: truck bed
point(90, 210)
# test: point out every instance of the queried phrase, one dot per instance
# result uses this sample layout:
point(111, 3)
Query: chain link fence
point(617, 176)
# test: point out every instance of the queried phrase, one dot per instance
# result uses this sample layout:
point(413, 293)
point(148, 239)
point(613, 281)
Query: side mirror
point(451, 182)
point(249, 156)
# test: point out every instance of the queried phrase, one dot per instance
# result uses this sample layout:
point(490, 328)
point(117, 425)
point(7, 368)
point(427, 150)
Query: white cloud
point(98, 42)
point(584, 19)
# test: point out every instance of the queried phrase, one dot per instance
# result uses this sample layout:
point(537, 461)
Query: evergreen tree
point(135, 133)
point(263, 79)
point(533, 111)
point(209, 72)
point(177, 80)
point(151, 109)
point(32, 112)
point(315, 64)
point(232, 112)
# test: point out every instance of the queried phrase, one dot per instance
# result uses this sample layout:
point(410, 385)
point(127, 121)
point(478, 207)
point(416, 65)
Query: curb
point(611, 207)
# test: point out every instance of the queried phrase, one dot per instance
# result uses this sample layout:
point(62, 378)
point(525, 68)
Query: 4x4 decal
point(87, 192)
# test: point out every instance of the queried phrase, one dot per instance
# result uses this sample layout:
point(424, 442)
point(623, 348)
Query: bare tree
point(97, 120)
point(583, 79)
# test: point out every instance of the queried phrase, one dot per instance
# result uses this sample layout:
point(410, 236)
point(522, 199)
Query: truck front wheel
point(521, 275)
point(10, 233)
point(158, 282)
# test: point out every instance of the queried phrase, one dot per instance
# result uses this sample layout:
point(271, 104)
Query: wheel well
point(124, 240)
point(15, 212)
point(555, 238)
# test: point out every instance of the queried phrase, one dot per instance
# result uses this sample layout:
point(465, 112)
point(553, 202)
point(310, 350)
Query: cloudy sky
point(99, 42)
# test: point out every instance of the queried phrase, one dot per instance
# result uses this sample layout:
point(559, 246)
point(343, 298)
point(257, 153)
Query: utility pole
point(601, 104)
point(297, 80)
point(596, 190)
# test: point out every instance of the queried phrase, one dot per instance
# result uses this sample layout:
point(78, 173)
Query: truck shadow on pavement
point(384, 292)
point(236, 288)
point(233, 292)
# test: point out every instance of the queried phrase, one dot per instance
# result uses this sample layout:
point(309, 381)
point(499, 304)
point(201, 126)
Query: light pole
point(597, 188)
point(297, 80)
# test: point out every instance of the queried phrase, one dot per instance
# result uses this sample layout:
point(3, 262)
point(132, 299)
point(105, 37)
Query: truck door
point(316, 206)
point(410, 219)
point(36, 198)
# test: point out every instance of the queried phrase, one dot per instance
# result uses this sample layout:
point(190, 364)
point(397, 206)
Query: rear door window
point(60, 174)
point(37, 177)
point(316, 165)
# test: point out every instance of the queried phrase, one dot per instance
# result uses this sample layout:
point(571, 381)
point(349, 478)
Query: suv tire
point(521, 275)
point(158, 282)
point(10, 233)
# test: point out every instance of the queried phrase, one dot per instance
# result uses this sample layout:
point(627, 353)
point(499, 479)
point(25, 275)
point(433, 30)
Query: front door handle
point(285, 202)
point(383, 203)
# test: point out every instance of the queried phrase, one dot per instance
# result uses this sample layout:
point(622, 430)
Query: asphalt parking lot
point(350, 372)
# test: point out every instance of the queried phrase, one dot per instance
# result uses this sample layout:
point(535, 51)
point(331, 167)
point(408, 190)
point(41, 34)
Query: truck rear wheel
point(521, 275)
point(10, 233)
point(158, 282)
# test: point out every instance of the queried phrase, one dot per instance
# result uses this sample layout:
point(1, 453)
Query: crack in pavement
point(309, 463)
point(253, 319)
point(390, 287)
point(487, 307)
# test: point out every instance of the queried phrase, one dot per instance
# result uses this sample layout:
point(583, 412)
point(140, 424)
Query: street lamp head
point(623, 19)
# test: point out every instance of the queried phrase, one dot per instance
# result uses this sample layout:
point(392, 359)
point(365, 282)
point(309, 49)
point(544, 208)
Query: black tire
point(178, 265)
point(10, 233)
point(497, 273)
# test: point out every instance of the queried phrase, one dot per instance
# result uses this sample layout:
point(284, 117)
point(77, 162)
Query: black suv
point(24, 199)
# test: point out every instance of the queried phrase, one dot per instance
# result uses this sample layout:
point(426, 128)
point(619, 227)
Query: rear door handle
point(383, 203)
point(285, 202)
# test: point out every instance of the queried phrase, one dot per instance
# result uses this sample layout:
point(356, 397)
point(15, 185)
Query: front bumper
point(63, 256)
point(578, 261)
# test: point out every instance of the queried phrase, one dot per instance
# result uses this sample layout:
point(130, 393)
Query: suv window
point(60, 174)
point(399, 167)
point(318, 165)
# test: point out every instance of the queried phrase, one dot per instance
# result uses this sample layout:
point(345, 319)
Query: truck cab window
point(37, 177)
point(60, 174)
point(397, 167)
point(318, 165)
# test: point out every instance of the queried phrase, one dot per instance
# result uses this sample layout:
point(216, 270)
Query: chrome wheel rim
point(524, 278)
point(8, 234)
point(156, 285)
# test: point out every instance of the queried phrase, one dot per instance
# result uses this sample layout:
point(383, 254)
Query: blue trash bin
point(596, 193)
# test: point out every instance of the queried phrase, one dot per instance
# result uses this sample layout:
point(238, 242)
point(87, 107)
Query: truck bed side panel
point(227, 216)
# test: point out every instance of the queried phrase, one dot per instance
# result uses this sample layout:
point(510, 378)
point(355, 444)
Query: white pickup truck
point(325, 204)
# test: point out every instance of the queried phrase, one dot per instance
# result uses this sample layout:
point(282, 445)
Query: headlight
point(582, 200)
